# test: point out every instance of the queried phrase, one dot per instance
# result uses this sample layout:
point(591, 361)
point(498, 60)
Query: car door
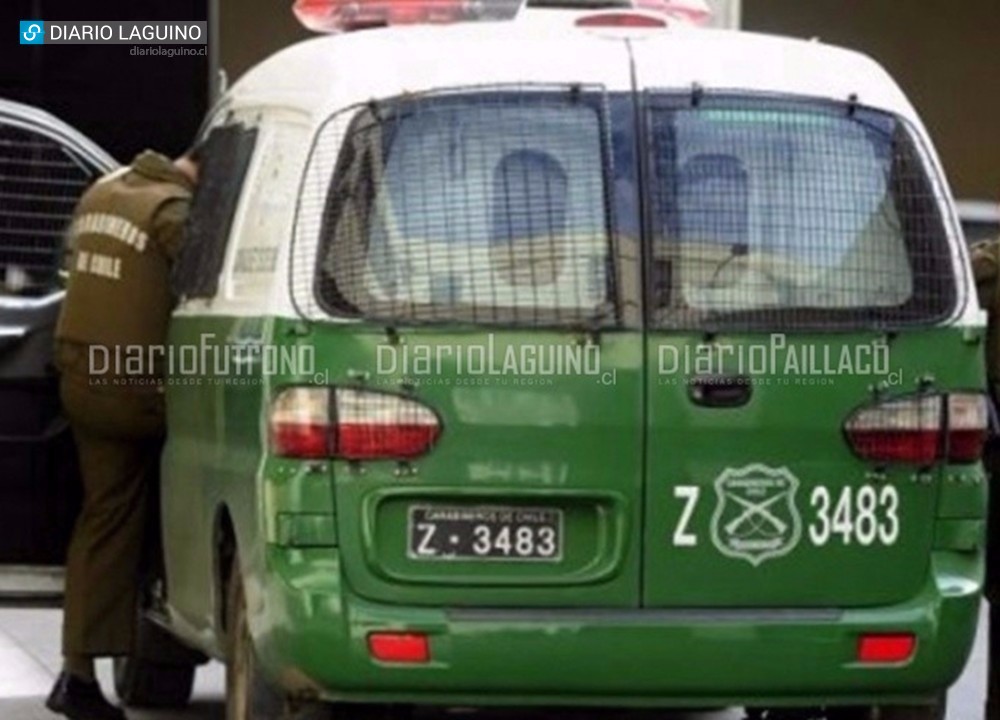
point(44, 167)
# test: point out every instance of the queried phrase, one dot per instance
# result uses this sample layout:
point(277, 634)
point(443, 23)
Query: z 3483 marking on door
point(867, 516)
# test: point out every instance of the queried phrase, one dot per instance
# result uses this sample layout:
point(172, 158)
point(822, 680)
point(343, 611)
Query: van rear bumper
point(673, 658)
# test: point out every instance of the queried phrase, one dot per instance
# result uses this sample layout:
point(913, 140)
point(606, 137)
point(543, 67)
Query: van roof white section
point(330, 73)
point(720, 60)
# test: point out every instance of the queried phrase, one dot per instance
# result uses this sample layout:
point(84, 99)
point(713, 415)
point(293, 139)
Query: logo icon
point(756, 518)
point(32, 32)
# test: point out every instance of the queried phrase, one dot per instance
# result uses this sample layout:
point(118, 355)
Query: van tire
point(159, 672)
point(248, 695)
point(144, 684)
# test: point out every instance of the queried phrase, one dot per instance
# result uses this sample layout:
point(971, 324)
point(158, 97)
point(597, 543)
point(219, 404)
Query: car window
point(782, 215)
point(479, 207)
point(40, 183)
point(225, 159)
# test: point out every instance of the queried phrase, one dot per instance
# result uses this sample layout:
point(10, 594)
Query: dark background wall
point(124, 103)
point(251, 30)
point(946, 55)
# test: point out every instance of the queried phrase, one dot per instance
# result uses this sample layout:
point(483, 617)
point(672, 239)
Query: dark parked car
point(44, 167)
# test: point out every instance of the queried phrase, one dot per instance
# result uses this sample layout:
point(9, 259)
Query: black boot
point(81, 700)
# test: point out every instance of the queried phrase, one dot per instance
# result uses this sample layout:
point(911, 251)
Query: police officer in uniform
point(125, 235)
point(986, 266)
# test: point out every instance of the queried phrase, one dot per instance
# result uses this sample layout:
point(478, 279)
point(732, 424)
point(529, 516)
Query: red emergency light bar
point(330, 16)
point(327, 16)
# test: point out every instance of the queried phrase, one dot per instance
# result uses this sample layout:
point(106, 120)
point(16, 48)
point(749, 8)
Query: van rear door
point(474, 232)
point(802, 281)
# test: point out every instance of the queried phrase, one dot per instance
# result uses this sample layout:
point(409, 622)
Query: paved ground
point(29, 660)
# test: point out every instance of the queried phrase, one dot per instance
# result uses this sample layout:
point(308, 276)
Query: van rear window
point(485, 207)
point(527, 207)
point(792, 215)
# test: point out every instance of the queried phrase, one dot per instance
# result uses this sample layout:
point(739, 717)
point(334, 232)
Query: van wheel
point(248, 696)
point(143, 684)
point(160, 671)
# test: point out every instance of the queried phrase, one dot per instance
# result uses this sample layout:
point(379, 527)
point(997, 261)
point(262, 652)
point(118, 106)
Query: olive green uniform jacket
point(125, 234)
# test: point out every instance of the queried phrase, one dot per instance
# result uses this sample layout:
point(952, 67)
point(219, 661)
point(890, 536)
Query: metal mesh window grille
point(494, 206)
point(778, 215)
point(40, 182)
point(479, 206)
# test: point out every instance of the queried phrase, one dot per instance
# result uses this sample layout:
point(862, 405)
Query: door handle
point(720, 391)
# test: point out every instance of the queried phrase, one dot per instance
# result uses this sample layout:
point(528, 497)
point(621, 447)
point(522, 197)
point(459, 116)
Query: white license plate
point(485, 532)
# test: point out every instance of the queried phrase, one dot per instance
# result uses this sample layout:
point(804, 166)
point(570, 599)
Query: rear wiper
point(595, 323)
point(735, 251)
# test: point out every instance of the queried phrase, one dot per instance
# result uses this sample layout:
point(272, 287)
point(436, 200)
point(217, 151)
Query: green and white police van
point(591, 360)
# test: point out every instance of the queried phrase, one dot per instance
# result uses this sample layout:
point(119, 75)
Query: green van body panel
point(793, 421)
point(212, 457)
point(315, 627)
point(550, 442)
point(323, 544)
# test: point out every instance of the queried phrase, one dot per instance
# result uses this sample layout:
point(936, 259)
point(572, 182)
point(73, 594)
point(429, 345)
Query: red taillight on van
point(349, 424)
point(906, 430)
point(375, 426)
point(300, 423)
point(921, 430)
point(968, 427)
